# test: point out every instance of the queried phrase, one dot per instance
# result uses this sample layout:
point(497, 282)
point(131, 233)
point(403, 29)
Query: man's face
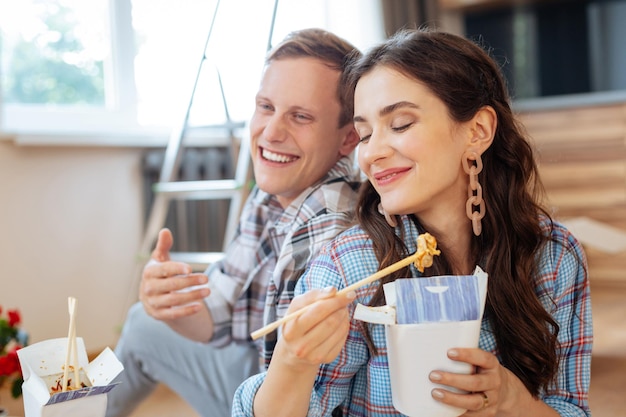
point(294, 132)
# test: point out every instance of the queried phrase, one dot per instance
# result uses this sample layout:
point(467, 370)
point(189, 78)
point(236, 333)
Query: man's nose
point(275, 129)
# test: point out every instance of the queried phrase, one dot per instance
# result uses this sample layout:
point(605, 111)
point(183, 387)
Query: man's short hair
point(335, 52)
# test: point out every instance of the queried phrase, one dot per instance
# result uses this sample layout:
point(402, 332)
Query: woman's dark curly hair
point(463, 75)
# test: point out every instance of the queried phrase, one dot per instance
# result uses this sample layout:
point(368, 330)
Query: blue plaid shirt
point(360, 383)
point(254, 283)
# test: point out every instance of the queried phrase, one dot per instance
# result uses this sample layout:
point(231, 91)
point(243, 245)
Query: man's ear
point(350, 140)
point(483, 129)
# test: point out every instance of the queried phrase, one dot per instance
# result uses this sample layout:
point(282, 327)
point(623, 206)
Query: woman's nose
point(375, 148)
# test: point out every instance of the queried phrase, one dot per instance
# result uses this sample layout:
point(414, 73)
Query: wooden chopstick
point(75, 353)
point(414, 258)
point(71, 344)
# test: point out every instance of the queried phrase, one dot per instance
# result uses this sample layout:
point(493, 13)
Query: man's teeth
point(275, 157)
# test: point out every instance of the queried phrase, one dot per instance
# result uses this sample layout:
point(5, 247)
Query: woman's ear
point(483, 128)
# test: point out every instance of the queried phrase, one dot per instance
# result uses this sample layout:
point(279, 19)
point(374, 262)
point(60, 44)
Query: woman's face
point(410, 148)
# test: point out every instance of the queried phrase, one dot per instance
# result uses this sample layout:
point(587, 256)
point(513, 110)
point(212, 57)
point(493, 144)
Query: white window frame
point(116, 124)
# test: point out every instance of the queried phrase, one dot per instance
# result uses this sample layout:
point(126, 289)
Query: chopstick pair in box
point(72, 350)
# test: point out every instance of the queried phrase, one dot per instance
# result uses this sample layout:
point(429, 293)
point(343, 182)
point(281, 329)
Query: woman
point(442, 153)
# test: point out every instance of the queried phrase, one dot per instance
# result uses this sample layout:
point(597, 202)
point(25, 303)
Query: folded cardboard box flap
point(104, 368)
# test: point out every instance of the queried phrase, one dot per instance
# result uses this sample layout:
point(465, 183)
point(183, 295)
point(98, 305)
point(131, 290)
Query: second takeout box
point(43, 366)
point(432, 320)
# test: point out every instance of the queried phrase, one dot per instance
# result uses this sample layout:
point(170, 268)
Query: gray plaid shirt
point(253, 285)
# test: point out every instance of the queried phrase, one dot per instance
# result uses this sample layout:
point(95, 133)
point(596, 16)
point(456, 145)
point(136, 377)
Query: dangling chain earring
point(474, 190)
point(391, 220)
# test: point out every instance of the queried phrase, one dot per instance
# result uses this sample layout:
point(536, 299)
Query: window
point(556, 48)
point(58, 67)
point(127, 66)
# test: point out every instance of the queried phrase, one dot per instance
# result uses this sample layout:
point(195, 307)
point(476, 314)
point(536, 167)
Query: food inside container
point(54, 382)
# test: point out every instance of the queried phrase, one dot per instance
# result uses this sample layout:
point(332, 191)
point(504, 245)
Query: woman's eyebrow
point(389, 109)
point(395, 106)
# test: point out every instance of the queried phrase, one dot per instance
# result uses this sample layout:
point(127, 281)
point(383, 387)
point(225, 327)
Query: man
point(197, 341)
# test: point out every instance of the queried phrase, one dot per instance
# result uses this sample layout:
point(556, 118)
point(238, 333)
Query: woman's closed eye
point(402, 128)
point(363, 130)
point(364, 133)
point(398, 126)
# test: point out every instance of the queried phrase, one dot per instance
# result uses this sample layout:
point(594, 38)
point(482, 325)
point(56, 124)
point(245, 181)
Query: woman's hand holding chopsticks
point(315, 336)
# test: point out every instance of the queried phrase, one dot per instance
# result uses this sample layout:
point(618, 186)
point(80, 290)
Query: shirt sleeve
point(336, 380)
point(220, 303)
point(243, 400)
point(565, 270)
point(229, 276)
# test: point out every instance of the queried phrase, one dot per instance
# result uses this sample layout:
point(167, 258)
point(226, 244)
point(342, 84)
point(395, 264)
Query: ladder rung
point(199, 190)
point(228, 125)
point(197, 259)
point(210, 135)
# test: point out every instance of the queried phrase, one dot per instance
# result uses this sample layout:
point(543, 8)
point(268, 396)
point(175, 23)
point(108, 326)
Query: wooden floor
point(608, 371)
point(164, 403)
point(607, 395)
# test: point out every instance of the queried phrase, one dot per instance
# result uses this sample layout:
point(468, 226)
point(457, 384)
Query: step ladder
point(167, 189)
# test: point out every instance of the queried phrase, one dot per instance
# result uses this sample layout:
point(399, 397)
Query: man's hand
point(165, 285)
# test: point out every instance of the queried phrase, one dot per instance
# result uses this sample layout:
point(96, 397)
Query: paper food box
point(423, 318)
point(43, 366)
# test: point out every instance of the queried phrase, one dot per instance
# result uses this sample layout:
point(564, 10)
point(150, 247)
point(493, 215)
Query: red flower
point(10, 363)
point(14, 317)
point(12, 338)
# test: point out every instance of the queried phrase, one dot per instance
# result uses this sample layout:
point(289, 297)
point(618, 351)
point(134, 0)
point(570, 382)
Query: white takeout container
point(40, 362)
point(415, 350)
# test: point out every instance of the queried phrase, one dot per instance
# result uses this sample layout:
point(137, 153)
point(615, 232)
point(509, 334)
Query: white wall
point(70, 225)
